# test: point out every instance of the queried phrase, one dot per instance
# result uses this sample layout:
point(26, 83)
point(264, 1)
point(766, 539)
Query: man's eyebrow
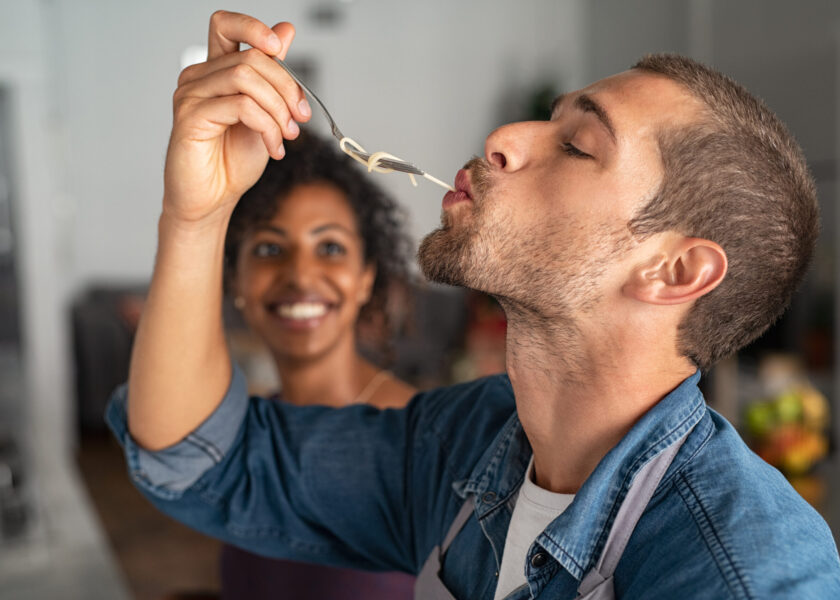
point(587, 104)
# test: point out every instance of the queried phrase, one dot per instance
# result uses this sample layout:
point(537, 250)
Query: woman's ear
point(232, 291)
point(688, 269)
point(368, 279)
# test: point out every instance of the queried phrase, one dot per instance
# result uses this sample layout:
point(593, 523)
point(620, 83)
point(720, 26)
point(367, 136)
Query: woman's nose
point(300, 270)
point(509, 147)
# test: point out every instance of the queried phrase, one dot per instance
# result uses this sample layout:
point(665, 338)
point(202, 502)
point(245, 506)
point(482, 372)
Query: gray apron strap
point(428, 585)
point(598, 583)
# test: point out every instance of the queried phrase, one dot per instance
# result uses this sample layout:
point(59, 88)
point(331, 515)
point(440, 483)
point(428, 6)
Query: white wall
point(620, 32)
point(426, 81)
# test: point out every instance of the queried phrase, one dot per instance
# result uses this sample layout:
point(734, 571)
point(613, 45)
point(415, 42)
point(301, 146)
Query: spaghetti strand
point(352, 148)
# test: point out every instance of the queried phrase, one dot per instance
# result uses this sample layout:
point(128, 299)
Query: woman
point(311, 251)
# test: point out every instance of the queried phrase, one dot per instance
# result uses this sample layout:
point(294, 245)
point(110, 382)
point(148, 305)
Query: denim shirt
point(377, 489)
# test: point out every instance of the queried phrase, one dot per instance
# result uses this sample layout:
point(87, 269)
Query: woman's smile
point(300, 314)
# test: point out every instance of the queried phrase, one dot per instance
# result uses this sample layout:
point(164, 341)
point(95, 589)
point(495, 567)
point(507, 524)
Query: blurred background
point(85, 112)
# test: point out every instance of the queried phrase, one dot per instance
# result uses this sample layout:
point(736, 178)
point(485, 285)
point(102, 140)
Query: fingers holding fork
point(232, 112)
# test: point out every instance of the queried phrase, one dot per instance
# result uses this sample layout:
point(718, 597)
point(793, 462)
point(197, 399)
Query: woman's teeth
point(302, 310)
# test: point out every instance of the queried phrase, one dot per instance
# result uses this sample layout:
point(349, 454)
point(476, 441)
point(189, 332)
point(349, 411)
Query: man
point(660, 220)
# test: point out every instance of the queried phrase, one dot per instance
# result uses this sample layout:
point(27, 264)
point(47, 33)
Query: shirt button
point(488, 497)
point(538, 560)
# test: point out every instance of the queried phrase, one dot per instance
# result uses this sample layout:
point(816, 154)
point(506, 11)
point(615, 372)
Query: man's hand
point(230, 114)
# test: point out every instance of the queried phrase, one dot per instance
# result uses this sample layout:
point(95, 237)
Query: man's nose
point(509, 147)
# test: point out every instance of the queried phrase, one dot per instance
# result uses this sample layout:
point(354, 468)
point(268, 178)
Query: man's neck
point(579, 392)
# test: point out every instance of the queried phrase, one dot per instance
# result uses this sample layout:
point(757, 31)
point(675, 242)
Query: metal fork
point(388, 163)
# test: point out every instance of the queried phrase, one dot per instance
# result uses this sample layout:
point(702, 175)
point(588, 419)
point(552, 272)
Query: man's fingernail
point(303, 105)
point(281, 151)
point(274, 44)
point(293, 127)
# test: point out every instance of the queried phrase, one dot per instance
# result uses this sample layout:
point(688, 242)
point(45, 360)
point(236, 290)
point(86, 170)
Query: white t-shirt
point(535, 509)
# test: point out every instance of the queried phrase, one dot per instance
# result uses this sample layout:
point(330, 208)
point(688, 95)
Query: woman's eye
point(267, 250)
point(572, 150)
point(331, 249)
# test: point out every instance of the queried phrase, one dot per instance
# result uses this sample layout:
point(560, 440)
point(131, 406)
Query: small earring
point(239, 302)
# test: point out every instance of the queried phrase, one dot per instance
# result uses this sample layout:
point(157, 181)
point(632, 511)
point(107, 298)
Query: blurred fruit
point(788, 407)
point(788, 430)
point(760, 418)
point(815, 409)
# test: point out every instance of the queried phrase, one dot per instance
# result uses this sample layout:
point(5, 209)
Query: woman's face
point(302, 274)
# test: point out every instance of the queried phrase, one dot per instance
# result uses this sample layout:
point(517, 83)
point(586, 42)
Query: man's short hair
point(738, 178)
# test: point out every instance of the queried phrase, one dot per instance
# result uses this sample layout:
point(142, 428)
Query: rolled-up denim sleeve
point(167, 473)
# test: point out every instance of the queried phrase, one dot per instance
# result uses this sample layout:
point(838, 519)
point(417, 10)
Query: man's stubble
point(551, 269)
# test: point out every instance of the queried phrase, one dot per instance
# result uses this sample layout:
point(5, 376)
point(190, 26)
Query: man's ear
point(688, 269)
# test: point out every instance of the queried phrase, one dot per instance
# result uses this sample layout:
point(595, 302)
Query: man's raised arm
point(230, 114)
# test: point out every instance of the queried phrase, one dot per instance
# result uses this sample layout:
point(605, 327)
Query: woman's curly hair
point(379, 219)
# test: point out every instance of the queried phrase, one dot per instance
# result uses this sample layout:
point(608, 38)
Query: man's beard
point(526, 271)
point(446, 254)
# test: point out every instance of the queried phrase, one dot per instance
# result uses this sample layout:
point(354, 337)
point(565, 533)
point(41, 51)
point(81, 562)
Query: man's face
point(541, 220)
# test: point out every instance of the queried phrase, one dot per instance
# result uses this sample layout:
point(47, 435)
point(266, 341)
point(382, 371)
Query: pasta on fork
point(374, 162)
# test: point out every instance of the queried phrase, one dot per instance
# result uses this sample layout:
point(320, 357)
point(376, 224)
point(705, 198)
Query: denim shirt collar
point(576, 537)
